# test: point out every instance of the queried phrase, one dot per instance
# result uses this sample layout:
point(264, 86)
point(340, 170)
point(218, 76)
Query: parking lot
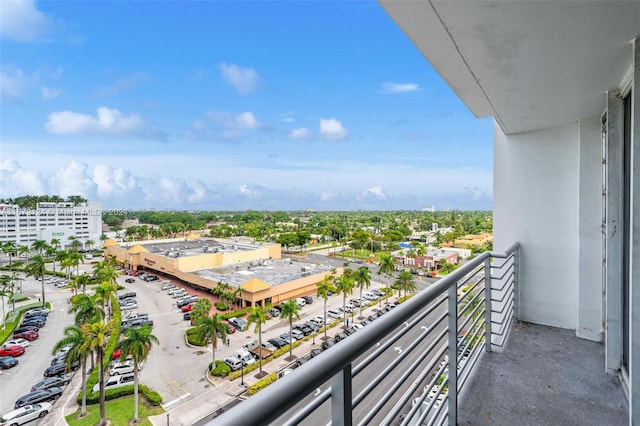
point(173, 369)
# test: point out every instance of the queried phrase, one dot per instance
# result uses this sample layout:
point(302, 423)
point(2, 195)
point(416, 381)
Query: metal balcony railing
point(398, 369)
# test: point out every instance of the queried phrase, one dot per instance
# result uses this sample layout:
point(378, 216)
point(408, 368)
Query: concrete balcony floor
point(544, 376)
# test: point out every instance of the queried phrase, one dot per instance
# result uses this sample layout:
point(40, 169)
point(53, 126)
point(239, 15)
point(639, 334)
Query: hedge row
point(13, 318)
point(262, 383)
point(153, 397)
point(221, 306)
point(221, 370)
point(234, 314)
point(192, 337)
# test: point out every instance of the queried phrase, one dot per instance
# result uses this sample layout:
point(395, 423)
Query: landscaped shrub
point(153, 397)
point(261, 384)
point(192, 337)
point(221, 306)
point(221, 370)
point(234, 314)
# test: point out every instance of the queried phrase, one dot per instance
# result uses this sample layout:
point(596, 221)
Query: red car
point(30, 335)
point(14, 350)
point(188, 307)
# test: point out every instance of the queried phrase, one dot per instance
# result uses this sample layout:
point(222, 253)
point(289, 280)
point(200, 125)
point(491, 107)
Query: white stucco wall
point(590, 280)
point(536, 202)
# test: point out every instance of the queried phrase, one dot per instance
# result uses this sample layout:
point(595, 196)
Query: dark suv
point(51, 382)
point(308, 299)
point(38, 396)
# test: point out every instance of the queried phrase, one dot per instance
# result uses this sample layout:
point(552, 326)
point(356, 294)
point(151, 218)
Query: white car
point(319, 320)
point(120, 368)
point(25, 414)
point(19, 342)
point(129, 307)
point(348, 308)
point(114, 382)
point(332, 313)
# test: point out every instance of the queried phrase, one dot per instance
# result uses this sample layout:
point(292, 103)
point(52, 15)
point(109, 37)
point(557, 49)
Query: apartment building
point(50, 221)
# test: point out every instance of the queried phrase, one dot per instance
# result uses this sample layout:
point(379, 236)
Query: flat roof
point(274, 272)
point(194, 247)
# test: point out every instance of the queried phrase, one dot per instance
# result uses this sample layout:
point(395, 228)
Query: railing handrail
point(268, 405)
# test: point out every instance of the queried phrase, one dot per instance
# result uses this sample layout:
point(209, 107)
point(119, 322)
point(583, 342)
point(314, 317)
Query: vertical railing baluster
point(453, 355)
point(487, 304)
point(516, 283)
point(341, 398)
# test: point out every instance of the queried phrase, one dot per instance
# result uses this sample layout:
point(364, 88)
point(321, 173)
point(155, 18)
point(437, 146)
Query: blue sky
point(231, 106)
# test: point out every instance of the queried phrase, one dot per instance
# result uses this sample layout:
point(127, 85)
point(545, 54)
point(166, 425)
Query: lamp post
point(242, 376)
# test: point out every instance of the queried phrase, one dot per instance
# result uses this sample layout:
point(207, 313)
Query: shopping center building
point(256, 268)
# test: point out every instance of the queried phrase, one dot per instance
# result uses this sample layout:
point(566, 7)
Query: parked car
point(355, 302)
point(340, 336)
point(186, 316)
point(20, 342)
point(13, 350)
point(26, 328)
point(7, 362)
point(187, 308)
point(315, 352)
point(278, 342)
point(120, 368)
point(51, 382)
point(26, 414)
point(33, 322)
point(38, 396)
point(130, 280)
point(114, 382)
point(301, 302)
point(347, 308)
point(233, 362)
point(29, 335)
point(305, 329)
point(312, 325)
point(308, 299)
point(129, 307)
point(332, 313)
point(127, 295)
point(167, 287)
point(135, 316)
point(319, 320)
point(238, 323)
point(179, 294)
point(297, 334)
point(287, 338)
point(57, 370)
point(378, 292)
point(274, 312)
point(327, 344)
point(370, 296)
point(187, 300)
point(136, 324)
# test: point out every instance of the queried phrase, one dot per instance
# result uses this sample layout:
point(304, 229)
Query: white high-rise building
point(51, 220)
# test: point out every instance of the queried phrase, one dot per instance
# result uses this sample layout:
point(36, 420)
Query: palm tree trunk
point(360, 301)
point(325, 318)
point(260, 343)
point(103, 415)
point(83, 409)
point(135, 390)
point(344, 307)
point(290, 338)
point(42, 283)
point(213, 353)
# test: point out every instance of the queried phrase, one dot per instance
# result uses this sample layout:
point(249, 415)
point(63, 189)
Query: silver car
point(25, 414)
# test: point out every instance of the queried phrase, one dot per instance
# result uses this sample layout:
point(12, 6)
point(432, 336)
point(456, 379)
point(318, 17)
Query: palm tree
point(201, 309)
point(362, 277)
point(86, 309)
point(345, 285)
point(75, 258)
point(137, 342)
point(55, 243)
point(207, 330)
point(90, 243)
point(5, 290)
point(387, 267)
point(103, 295)
point(105, 272)
point(9, 248)
point(60, 256)
point(36, 268)
point(290, 309)
point(324, 288)
point(405, 282)
point(96, 335)
point(257, 315)
point(79, 349)
point(39, 245)
point(25, 251)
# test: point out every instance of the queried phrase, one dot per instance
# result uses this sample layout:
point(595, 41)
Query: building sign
point(57, 234)
point(149, 261)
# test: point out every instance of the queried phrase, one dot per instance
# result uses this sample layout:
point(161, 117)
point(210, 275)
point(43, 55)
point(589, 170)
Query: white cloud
point(248, 191)
point(21, 21)
point(246, 120)
point(14, 83)
point(49, 93)
point(220, 124)
point(332, 129)
point(300, 133)
point(399, 88)
point(73, 179)
point(244, 80)
point(17, 181)
point(107, 122)
point(376, 192)
point(328, 195)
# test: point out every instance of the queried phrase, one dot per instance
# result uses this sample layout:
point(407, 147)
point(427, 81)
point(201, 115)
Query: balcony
point(397, 369)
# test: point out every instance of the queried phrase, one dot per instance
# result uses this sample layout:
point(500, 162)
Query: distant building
point(429, 209)
point(51, 221)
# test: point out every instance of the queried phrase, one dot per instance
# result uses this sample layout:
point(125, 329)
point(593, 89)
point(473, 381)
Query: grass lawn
point(119, 412)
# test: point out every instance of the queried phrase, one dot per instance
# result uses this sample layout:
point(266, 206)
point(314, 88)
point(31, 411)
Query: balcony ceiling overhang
point(529, 64)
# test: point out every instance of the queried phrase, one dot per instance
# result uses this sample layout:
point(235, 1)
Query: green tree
point(39, 246)
point(388, 268)
point(200, 309)
point(35, 268)
point(76, 340)
point(9, 248)
point(345, 285)
point(103, 295)
point(325, 287)
point(290, 310)
point(96, 335)
point(405, 282)
point(5, 291)
point(208, 328)
point(258, 316)
point(362, 277)
point(86, 309)
point(137, 342)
